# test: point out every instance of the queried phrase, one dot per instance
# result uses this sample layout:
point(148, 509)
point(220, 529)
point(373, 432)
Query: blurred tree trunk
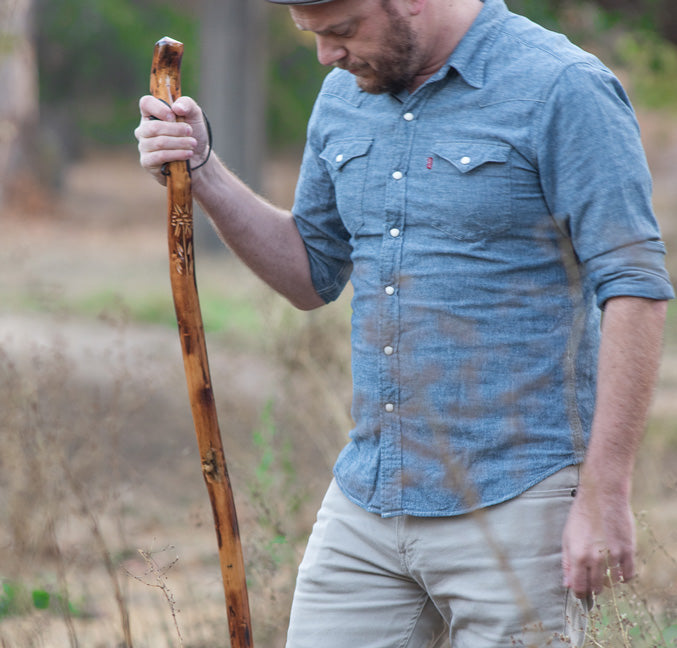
point(232, 82)
point(19, 96)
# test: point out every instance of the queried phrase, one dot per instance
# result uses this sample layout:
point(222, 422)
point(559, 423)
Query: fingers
point(627, 567)
point(619, 570)
point(150, 107)
point(598, 543)
point(164, 140)
point(161, 137)
point(583, 573)
point(592, 569)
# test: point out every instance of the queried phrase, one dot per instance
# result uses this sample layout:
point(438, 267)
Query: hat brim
point(299, 2)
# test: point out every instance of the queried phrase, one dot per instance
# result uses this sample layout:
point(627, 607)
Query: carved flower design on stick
point(182, 255)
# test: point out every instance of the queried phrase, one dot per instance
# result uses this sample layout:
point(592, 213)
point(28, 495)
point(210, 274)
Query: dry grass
point(99, 462)
point(96, 469)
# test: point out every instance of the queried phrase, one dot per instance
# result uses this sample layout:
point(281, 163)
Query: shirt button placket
point(389, 326)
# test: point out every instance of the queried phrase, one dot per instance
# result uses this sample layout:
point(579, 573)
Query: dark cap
point(299, 2)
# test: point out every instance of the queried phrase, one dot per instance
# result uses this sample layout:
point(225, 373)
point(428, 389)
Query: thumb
point(187, 108)
point(190, 112)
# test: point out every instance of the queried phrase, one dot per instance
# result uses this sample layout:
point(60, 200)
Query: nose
point(329, 51)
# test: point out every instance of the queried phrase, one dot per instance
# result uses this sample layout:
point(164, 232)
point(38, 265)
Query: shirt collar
point(469, 58)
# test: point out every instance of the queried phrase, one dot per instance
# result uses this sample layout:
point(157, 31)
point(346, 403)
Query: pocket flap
point(466, 156)
point(338, 153)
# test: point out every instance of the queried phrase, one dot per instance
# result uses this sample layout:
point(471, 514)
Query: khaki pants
point(490, 579)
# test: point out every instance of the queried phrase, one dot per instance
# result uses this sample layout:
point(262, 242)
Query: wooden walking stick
point(165, 84)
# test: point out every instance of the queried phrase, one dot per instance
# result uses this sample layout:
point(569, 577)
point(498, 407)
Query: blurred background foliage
point(94, 58)
point(94, 62)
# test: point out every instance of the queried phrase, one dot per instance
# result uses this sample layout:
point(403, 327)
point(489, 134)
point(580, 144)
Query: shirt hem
point(455, 512)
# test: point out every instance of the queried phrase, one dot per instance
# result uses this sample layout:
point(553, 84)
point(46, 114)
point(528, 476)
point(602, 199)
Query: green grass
point(220, 313)
point(17, 599)
point(622, 619)
point(652, 66)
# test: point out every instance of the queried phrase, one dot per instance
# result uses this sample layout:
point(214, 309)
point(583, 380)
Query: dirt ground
point(113, 393)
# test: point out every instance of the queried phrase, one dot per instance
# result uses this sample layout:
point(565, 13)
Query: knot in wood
point(210, 466)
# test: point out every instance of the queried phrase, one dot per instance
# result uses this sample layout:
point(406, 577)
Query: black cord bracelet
point(209, 139)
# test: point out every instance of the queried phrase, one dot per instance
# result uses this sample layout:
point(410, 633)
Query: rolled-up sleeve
point(326, 239)
point(597, 184)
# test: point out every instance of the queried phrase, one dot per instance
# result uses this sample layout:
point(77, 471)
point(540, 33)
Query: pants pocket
point(563, 483)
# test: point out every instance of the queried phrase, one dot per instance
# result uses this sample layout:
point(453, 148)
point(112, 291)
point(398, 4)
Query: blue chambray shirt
point(483, 221)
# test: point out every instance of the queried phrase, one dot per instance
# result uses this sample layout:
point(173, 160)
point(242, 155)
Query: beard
point(395, 68)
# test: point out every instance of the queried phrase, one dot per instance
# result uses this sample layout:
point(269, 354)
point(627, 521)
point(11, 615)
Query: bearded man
point(481, 183)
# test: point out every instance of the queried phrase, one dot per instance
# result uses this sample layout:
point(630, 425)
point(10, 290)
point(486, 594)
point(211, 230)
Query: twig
point(619, 616)
point(160, 575)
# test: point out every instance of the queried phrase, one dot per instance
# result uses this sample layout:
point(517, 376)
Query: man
point(481, 183)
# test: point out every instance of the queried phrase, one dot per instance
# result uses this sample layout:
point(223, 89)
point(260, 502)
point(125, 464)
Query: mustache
point(351, 67)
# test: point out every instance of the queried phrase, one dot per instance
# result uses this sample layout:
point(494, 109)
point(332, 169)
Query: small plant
point(274, 484)
point(17, 599)
point(156, 576)
point(625, 617)
point(273, 548)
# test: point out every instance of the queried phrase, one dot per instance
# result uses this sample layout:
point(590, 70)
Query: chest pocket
point(347, 162)
point(471, 185)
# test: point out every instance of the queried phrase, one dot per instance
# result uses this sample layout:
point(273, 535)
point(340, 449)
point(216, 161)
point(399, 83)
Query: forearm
point(629, 356)
point(263, 236)
point(599, 537)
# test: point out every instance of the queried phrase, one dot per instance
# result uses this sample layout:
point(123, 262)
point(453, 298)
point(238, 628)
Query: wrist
point(199, 174)
point(605, 481)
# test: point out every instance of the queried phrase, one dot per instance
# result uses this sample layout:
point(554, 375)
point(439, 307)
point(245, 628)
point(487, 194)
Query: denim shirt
point(483, 221)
